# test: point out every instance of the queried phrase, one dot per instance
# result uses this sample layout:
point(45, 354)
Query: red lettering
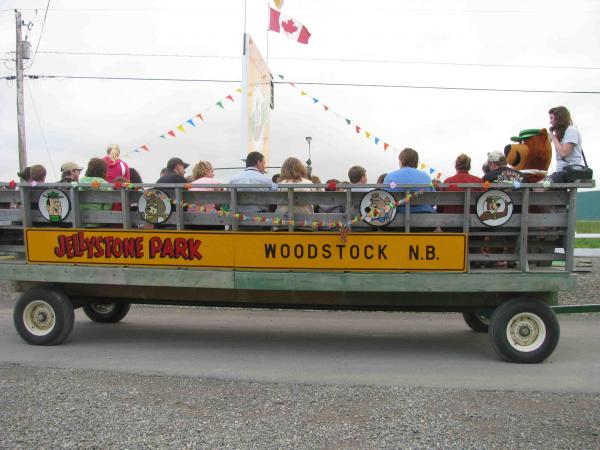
point(180, 248)
point(167, 249)
point(60, 250)
point(154, 245)
point(193, 250)
point(139, 247)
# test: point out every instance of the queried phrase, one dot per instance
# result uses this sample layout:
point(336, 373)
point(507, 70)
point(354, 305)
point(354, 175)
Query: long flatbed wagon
point(489, 252)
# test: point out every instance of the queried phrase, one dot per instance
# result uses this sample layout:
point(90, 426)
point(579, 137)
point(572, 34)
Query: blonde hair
point(292, 169)
point(114, 152)
point(201, 169)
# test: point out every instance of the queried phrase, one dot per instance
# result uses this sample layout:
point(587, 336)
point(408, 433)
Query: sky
point(443, 78)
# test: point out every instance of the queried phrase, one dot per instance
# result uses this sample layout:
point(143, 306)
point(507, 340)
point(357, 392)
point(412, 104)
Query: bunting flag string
point(190, 122)
point(369, 135)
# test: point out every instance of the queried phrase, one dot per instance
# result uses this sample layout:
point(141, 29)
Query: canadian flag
point(288, 26)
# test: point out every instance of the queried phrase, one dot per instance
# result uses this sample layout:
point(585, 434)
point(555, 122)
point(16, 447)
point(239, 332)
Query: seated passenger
point(409, 174)
point(253, 174)
point(499, 170)
point(293, 171)
point(203, 173)
point(94, 174)
point(462, 166)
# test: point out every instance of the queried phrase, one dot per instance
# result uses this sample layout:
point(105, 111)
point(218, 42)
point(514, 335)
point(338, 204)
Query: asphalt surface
point(222, 378)
point(352, 348)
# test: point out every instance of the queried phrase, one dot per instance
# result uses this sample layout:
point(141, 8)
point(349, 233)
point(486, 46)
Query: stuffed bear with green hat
point(531, 155)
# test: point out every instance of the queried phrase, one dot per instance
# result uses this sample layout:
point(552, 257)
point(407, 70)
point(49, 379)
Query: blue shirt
point(410, 175)
point(252, 176)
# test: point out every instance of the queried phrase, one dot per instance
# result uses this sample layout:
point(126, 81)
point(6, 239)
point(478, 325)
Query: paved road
point(352, 348)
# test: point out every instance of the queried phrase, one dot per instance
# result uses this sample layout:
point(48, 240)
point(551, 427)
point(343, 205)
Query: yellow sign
point(259, 250)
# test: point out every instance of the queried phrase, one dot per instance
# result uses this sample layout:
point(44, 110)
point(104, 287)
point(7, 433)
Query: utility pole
point(20, 102)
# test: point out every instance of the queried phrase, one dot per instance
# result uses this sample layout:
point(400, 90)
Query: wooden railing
point(543, 218)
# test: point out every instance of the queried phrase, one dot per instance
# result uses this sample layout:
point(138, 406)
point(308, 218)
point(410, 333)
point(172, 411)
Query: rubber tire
point(473, 320)
point(501, 317)
point(62, 308)
point(117, 314)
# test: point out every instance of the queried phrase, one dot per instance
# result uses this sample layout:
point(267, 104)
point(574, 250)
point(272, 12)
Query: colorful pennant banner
point(191, 122)
point(359, 130)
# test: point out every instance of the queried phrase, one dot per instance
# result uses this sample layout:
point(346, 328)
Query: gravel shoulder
point(55, 408)
point(71, 408)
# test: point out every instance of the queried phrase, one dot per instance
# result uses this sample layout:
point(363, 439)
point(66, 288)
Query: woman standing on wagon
point(115, 166)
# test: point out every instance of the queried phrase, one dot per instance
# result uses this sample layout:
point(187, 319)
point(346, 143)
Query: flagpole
point(245, 7)
point(268, 21)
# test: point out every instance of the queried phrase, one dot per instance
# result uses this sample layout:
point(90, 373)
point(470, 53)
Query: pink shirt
point(208, 207)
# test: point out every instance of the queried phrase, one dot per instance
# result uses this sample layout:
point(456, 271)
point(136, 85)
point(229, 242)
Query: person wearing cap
point(70, 172)
point(175, 172)
point(253, 174)
point(499, 170)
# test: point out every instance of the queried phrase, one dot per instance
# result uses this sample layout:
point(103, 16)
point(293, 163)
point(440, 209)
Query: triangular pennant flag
point(180, 128)
point(136, 151)
point(239, 90)
point(191, 122)
point(316, 100)
point(326, 107)
point(220, 104)
point(292, 84)
point(145, 147)
point(302, 93)
point(357, 129)
point(280, 76)
point(431, 171)
point(376, 140)
point(347, 121)
point(385, 146)
point(199, 116)
point(230, 98)
point(423, 166)
point(368, 135)
point(171, 133)
point(163, 136)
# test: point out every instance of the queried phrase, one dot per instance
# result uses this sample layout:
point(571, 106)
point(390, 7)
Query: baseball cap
point(496, 156)
point(174, 161)
point(69, 165)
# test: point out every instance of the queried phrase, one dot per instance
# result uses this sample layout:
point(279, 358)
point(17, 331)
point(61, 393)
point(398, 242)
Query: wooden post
point(179, 208)
point(20, 102)
point(523, 261)
point(126, 208)
point(233, 209)
point(570, 238)
point(291, 215)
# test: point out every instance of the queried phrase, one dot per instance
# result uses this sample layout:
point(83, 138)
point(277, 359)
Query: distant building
point(588, 205)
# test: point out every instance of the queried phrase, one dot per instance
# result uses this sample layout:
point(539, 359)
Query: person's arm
point(563, 150)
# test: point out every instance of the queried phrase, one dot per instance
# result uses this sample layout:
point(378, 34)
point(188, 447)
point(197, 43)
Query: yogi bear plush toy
point(531, 155)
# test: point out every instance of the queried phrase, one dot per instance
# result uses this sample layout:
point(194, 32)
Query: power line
point(311, 83)
point(343, 60)
point(41, 34)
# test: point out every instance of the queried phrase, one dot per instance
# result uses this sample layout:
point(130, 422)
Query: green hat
point(525, 134)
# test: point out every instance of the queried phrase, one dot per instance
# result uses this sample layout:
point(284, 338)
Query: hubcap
point(103, 308)
point(526, 332)
point(39, 318)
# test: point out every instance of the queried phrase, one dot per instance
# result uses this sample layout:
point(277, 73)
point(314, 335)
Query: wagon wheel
point(43, 316)
point(524, 330)
point(477, 320)
point(106, 312)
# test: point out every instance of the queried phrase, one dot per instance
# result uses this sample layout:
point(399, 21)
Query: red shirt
point(460, 177)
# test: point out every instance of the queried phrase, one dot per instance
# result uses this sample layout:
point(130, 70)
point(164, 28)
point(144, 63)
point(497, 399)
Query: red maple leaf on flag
point(289, 26)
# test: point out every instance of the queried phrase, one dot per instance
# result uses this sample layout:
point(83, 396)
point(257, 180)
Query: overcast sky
point(464, 67)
